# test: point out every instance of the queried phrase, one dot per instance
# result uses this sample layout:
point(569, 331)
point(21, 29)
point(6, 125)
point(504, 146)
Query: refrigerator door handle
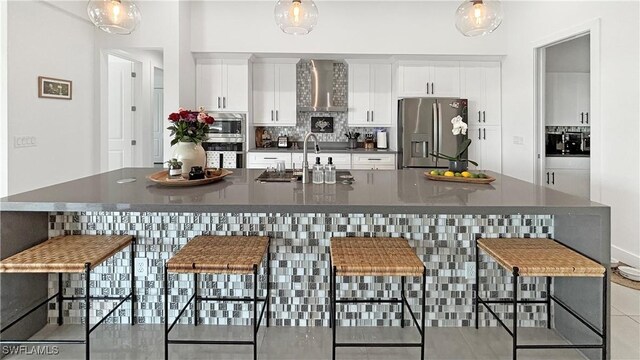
point(424, 149)
point(435, 144)
point(439, 128)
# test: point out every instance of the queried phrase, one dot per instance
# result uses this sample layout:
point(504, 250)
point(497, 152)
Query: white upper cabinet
point(567, 99)
point(481, 85)
point(370, 101)
point(274, 94)
point(433, 78)
point(222, 84)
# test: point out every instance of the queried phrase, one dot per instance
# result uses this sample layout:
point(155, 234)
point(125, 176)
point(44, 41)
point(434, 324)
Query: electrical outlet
point(24, 141)
point(470, 270)
point(141, 266)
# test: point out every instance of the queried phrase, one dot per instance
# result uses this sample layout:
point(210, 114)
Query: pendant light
point(296, 17)
point(478, 17)
point(114, 16)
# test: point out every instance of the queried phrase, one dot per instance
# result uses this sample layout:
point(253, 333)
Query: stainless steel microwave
point(227, 127)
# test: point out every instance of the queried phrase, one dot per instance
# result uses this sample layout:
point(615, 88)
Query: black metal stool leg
point(402, 298)
point(476, 303)
point(166, 313)
point(133, 282)
point(333, 313)
point(268, 297)
point(196, 311)
point(60, 319)
point(255, 312)
point(424, 310)
point(605, 309)
point(515, 313)
point(87, 327)
point(549, 302)
point(330, 292)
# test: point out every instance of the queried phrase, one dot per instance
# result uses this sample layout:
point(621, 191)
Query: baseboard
point(625, 256)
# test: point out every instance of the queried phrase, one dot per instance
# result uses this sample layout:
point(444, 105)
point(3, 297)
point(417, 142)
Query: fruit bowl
point(464, 177)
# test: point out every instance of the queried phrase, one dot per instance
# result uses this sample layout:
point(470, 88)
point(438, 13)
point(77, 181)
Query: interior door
point(120, 114)
point(158, 125)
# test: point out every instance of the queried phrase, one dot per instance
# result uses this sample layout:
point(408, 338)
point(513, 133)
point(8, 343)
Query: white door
point(158, 126)
point(445, 78)
point(382, 103)
point(286, 99)
point(263, 94)
point(235, 86)
point(492, 113)
point(120, 117)
point(413, 80)
point(359, 94)
point(209, 85)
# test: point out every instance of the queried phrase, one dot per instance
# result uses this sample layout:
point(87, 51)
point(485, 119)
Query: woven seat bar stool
point(541, 258)
point(219, 255)
point(71, 254)
point(356, 256)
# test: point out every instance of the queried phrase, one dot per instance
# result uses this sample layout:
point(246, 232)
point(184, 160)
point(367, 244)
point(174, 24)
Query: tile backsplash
point(340, 98)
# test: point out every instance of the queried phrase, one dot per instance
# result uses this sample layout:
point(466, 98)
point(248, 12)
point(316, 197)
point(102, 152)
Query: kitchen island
point(440, 219)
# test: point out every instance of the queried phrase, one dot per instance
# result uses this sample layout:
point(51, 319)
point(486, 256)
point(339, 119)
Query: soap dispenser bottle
point(330, 173)
point(318, 172)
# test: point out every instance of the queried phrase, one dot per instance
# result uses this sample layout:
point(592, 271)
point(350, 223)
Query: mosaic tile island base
point(440, 221)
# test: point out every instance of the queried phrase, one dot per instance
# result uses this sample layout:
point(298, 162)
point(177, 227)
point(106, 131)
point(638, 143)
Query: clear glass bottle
point(318, 172)
point(330, 172)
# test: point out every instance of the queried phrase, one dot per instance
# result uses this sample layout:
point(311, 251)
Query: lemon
point(449, 174)
point(466, 174)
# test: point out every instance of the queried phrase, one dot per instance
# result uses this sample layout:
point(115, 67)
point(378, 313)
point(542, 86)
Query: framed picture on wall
point(54, 88)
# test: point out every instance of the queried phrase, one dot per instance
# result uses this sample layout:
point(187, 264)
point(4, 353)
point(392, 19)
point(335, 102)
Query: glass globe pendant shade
point(478, 17)
point(296, 17)
point(114, 16)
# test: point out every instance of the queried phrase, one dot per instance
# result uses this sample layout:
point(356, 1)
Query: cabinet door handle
point(484, 134)
point(368, 115)
point(432, 91)
point(427, 88)
point(371, 115)
point(581, 118)
point(277, 116)
point(484, 116)
point(479, 134)
point(587, 114)
point(270, 158)
point(374, 159)
point(218, 102)
point(479, 116)
point(271, 115)
point(553, 178)
point(547, 178)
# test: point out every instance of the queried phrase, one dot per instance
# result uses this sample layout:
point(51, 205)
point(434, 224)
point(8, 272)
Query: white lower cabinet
point(263, 160)
point(569, 175)
point(341, 161)
point(486, 148)
point(373, 161)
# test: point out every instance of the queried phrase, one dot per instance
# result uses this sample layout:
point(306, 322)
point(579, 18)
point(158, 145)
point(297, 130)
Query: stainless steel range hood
point(322, 88)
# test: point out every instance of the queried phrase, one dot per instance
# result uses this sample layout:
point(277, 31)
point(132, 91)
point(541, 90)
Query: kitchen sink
point(290, 176)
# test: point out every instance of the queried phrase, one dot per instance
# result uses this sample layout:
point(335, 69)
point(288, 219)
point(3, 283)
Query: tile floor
point(123, 342)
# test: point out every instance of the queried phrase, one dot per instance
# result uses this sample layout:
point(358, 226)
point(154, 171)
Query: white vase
point(190, 154)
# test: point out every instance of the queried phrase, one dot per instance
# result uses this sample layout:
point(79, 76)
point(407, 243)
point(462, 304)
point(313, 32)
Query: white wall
point(569, 56)
point(44, 40)
point(4, 126)
point(533, 21)
point(344, 27)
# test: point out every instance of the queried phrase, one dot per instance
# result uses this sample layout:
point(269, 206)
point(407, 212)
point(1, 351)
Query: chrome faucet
point(305, 165)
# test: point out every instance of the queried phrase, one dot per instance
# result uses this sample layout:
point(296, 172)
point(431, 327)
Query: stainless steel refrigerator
point(424, 127)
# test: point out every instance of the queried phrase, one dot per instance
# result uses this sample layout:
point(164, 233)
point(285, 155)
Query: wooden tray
point(486, 180)
point(162, 178)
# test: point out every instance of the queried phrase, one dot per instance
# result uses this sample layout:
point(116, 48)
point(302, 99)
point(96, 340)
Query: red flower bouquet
point(189, 126)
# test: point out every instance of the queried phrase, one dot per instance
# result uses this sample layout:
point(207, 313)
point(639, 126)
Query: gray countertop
point(324, 150)
point(373, 191)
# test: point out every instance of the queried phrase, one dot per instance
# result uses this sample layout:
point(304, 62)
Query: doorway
point(567, 75)
point(121, 112)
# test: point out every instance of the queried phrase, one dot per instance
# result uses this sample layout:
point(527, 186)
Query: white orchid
point(459, 126)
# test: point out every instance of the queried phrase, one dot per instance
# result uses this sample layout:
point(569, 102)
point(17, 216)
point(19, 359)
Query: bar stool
point(537, 258)
point(356, 256)
point(71, 254)
point(219, 255)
